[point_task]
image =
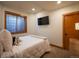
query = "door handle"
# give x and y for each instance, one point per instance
(65, 33)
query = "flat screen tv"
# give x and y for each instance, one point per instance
(43, 20)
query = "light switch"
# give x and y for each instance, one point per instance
(76, 26)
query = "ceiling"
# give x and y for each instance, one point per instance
(26, 6)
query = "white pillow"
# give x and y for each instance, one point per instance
(41, 37)
(6, 39)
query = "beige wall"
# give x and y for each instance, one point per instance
(54, 31)
(3, 9)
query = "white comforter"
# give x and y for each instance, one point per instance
(30, 47)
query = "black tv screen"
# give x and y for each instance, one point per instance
(43, 20)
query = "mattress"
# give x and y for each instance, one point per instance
(30, 47)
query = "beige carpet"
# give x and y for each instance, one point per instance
(74, 46)
(58, 53)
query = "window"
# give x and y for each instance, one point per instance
(15, 23)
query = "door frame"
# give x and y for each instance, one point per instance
(66, 44)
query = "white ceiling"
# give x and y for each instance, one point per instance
(26, 6)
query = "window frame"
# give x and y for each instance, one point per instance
(15, 14)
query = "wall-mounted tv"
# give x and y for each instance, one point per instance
(43, 20)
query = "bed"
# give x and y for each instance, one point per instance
(31, 46)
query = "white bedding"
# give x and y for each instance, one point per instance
(30, 46)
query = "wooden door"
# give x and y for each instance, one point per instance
(70, 31)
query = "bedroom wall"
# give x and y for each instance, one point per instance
(54, 31)
(3, 9)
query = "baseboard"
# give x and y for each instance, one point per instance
(56, 46)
